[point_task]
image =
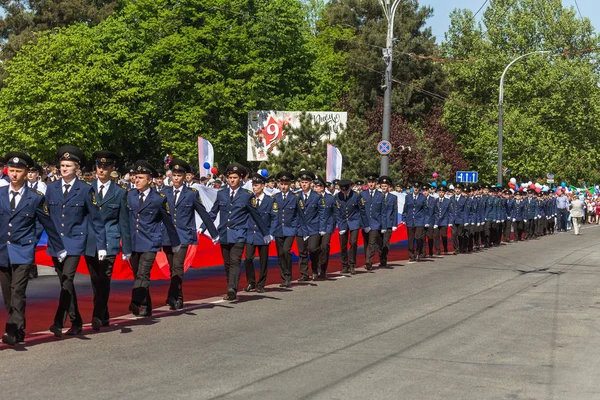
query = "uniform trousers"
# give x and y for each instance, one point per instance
(176, 267)
(458, 240)
(507, 229)
(100, 274)
(324, 253)
(13, 281)
(349, 259)
(263, 259)
(232, 260)
(540, 226)
(284, 254)
(415, 234)
(385, 247)
(490, 232)
(429, 234)
(530, 227)
(371, 240)
(312, 246)
(440, 232)
(519, 229)
(141, 263)
(67, 302)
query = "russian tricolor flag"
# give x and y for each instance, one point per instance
(334, 163)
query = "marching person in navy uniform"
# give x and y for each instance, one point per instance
(413, 215)
(508, 215)
(371, 232)
(443, 216)
(147, 210)
(288, 211)
(255, 240)
(351, 217)
(311, 226)
(427, 191)
(235, 206)
(184, 202)
(73, 208)
(34, 183)
(518, 215)
(329, 227)
(530, 214)
(21, 208)
(389, 218)
(459, 214)
(111, 202)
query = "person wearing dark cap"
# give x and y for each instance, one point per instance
(371, 232)
(21, 208)
(329, 216)
(518, 216)
(33, 179)
(508, 205)
(389, 219)
(491, 211)
(73, 208)
(159, 181)
(541, 216)
(4, 179)
(183, 202)
(459, 214)
(111, 202)
(255, 240)
(530, 213)
(443, 216)
(427, 191)
(311, 226)
(413, 215)
(149, 213)
(235, 206)
(351, 217)
(286, 225)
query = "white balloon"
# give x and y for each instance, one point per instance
(529, 183)
(538, 186)
(513, 181)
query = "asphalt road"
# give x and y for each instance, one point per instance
(521, 321)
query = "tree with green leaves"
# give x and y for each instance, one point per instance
(550, 100)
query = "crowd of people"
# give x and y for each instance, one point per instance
(100, 215)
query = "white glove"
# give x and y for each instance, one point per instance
(514, 220)
(176, 249)
(394, 228)
(305, 238)
(535, 218)
(322, 233)
(466, 224)
(497, 221)
(367, 229)
(449, 224)
(271, 237)
(426, 225)
(383, 230)
(125, 257)
(267, 239)
(342, 232)
(435, 227)
(215, 240)
(479, 224)
(62, 255)
(101, 255)
(539, 216)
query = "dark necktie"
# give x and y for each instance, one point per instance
(141, 198)
(371, 194)
(13, 201)
(100, 191)
(66, 192)
(176, 192)
(231, 195)
(284, 196)
(257, 202)
(305, 197)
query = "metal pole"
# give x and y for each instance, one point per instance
(389, 11)
(501, 110)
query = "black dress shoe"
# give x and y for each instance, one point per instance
(418, 258)
(283, 284)
(74, 331)
(260, 290)
(134, 308)
(96, 323)
(20, 337)
(304, 279)
(56, 330)
(323, 275)
(179, 304)
(9, 339)
(369, 267)
(352, 271)
(171, 301)
(230, 296)
(145, 311)
(249, 288)
(106, 323)
(345, 270)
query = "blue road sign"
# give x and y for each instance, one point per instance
(384, 147)
(467, 176)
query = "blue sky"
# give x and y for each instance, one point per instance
(442, 8)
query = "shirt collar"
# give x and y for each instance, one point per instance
(106, 185)
(147, 192)
(20, 191)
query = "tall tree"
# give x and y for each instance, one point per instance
(550, 101)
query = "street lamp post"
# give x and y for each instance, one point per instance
(389, 9)
(501, 109)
